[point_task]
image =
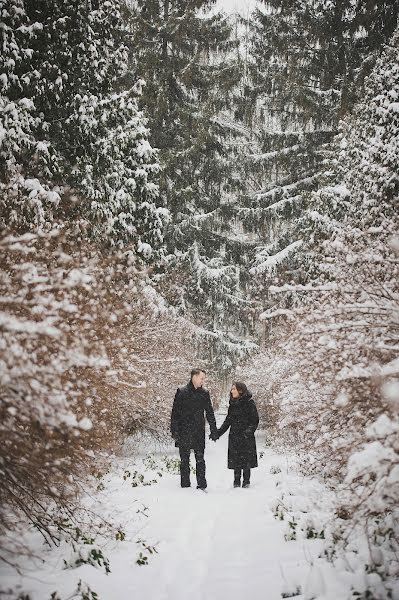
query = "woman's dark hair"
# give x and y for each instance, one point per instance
(241, 387)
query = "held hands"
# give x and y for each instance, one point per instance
(214, 436)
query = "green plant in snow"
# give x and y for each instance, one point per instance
(274, 469)
(279, 509)
(294, 592)
(142, 511)
(93, 557)
(172, 465)
(85, 592)
(366, 595)
(291, 535)
(150, 462)
(167, 464)
(137, 478)
(82, 592)
(312, 533)
(142, 558)
(79, 536)
(83, 554)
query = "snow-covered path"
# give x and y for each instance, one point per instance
(210, 546)
(222, 544)
(226, 543)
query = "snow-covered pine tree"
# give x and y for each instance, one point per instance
(80, 130)
(308, 62)
(23, 152)
(190, 63)
(313, 62)
(346, 342)
(187, 61)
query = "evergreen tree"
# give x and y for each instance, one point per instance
(187, 55)
(22, 148)
(309, 60)
(311, 57)
(81, 131)
(183, 52)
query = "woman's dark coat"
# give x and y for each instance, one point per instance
(242, 418)
(187, 422)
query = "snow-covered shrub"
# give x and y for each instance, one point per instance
(42, 432)
(89, 555)
(148, 549)
(345, 340)
(273, 379)
(85, 360)
(275, 469)
(340, 340)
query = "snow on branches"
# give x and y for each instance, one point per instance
(85, 361)
(71, 125)
(340, 393)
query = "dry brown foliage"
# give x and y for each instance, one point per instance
(88, 355)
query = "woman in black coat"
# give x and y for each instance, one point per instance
(242, 418)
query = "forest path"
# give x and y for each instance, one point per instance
(225, 543)
(221, 544)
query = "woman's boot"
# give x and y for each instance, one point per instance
(247, 475)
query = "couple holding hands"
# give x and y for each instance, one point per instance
(187, 427)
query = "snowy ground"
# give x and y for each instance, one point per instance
(227, 543)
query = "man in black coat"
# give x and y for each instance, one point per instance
(187, 426)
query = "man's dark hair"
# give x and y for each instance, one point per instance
(196, 372)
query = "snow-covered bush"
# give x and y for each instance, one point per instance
(346, 342)
(87, 356)
(42, 431)
(340, 339)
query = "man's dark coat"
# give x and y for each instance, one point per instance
(187, 423)
(242, 418)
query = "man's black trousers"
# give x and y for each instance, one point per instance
(185, 466)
